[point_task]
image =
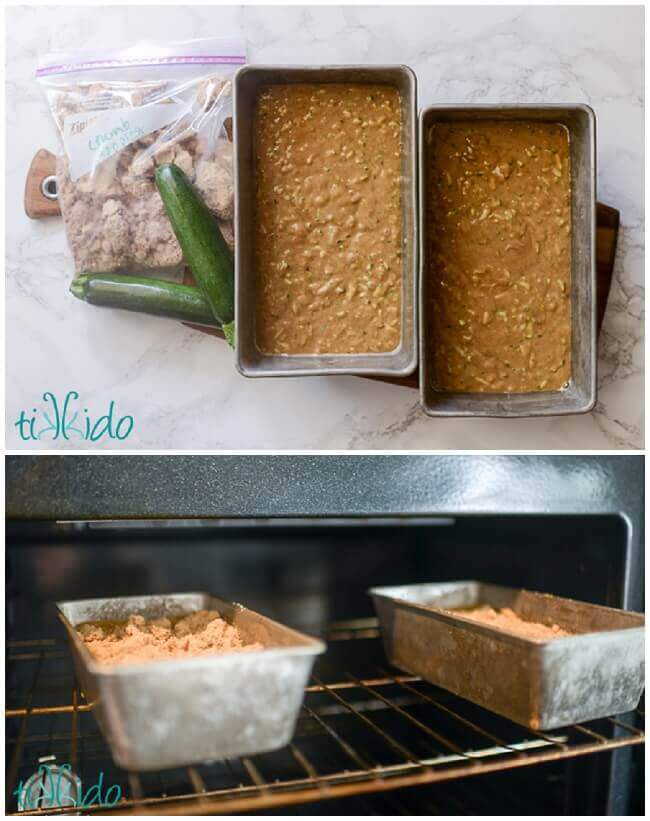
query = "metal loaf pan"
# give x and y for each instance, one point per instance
(540, 684)
(250, 360)
(580, 395)
(179, 712)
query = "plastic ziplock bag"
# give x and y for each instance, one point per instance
(122, 112)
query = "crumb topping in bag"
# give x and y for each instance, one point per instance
(114, 217)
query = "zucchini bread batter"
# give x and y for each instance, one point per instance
(328, 233)
(499, 242)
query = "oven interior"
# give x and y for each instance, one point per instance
(370, 739)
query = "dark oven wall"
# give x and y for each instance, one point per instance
(309, 574)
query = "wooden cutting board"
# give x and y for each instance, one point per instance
(38, 206)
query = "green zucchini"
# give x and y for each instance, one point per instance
(139, 293)
(204, 248)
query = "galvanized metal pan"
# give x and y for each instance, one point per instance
(597, 672)
(250, 360)
(580, 394)
(179, 712)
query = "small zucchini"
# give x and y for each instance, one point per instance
(204, 248)
(144, 294)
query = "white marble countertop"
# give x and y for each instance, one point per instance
(179, 385)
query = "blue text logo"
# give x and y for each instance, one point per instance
(58, 786)
(65, 418)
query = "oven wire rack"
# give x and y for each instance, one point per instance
(360, 731)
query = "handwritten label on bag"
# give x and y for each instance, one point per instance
(90, 137)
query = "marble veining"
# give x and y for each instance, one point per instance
(180, 385)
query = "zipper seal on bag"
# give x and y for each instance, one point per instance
(185, 60)
(224, 51)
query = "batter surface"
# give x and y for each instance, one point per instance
(328, 219)
(499, 237)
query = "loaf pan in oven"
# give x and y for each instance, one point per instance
(580, 394)
(543, 685)
(174, 713)
(248, 82)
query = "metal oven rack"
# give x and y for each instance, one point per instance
(364, 729)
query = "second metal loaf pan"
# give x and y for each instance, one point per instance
(595, 672)
(580, 394)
